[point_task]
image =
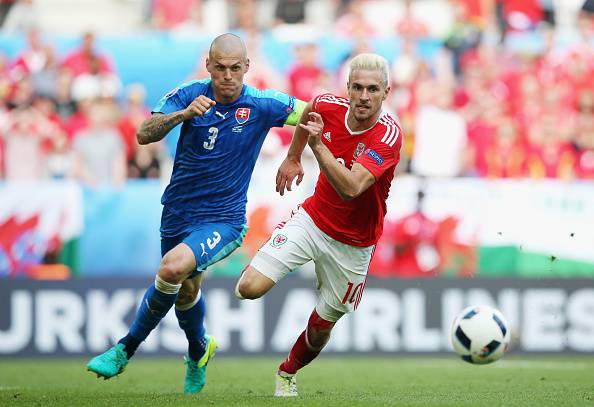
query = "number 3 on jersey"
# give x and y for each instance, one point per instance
(211, 139)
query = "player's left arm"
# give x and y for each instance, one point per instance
(349, 184)
(293, 118)
(291, 167)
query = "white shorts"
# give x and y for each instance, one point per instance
(341, 269)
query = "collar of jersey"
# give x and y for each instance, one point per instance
(346, 124)
(221, 106)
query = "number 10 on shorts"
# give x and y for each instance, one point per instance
(353, 295)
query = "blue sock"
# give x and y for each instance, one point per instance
(155, 305)
(191, 320)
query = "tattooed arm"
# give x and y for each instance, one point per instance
(158, 125)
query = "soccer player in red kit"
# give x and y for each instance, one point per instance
(357, 147)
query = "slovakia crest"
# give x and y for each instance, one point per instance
(359, 150)
(242, 115)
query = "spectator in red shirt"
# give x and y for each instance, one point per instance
(83, 59)
(481, 133)
(408, 247)
(97, 83)
(506, 156)
(306, 75)
(521, 15)
(584, 136)
(21, 94)
(353, 23)
(26, 142)
(479, 12)
(134, 114)
(409, 26)
(79, 119)
(548, 155)
(168, 14)
(32, 60)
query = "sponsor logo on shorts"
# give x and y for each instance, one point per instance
(376, 157)
(279, 240)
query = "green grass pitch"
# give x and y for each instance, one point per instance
(329, 381)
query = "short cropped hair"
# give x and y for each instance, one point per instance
(371, 62)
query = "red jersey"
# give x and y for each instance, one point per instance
(360, 221)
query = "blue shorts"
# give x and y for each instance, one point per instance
(210, 242)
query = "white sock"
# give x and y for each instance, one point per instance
(165, 287)
(186, 307)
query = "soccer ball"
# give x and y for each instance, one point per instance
(480, 335)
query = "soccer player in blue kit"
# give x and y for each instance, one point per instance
(204, 217)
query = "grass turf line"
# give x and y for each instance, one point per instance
(329, 381)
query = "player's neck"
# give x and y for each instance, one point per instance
(362, 125)
(226, 100)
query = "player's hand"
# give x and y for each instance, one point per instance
(199, 106)
(288, 170)
(314, 127)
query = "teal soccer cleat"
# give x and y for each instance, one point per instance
(196, 371)
(110, 363)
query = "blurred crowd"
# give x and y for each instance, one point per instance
(64, 119)
(478, 107)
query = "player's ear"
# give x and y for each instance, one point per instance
(247, 64)
(207, 64)
(386, 91)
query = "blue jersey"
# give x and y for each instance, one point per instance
(216, 154)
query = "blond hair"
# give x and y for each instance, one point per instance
(371, 62)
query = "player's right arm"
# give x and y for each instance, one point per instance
(291, 166)
(158, 125)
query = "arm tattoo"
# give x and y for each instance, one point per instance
(157, 127)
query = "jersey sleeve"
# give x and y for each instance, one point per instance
(278, 106)
(293, 118)
(177, 99)
(383, 153)
(321, 104)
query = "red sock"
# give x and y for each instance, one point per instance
(301, 354)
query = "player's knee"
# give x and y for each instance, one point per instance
(172, 271)
(248, 289)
